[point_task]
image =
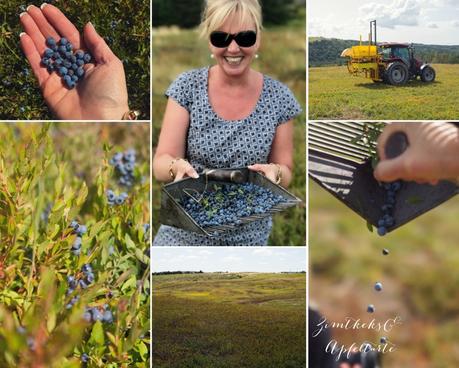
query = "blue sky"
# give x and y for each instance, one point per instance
(420, 21)
(231, 259)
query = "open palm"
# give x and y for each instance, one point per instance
(102, 94)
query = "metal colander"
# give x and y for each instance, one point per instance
(340, 163)
(173, 214)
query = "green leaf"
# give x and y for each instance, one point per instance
(97, 334)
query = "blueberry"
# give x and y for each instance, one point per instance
(62, 50)
(385, 251)
(79, 54)
(63, 41)
(119, 200)
(62, 70)
(84, 358)
(74, 78)
(81, 229)
(87, 58)
(67, 79)
(90, 278)
(80, 72)
(378, 286)
(48, 53)
(70, 73)
(77, 243)
(87, 316)
(74, 224)
(45, 61)
(107, 316)
(50, 41)
(69, 47)
(382, 231)
(79, 62)
(67, 64)
(86, 268)
(371, 308)
(383, 340)
(74, 67)
(58, 62)
(96, 315)
(83, 284)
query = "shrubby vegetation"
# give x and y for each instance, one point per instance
(74, 271)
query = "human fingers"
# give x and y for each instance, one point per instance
(46, 29)
(32, 55)
(32, 30)
(184, 169)
(62, 25)
(97, 45)
(390, 170)
(268, 170)
(344, 365)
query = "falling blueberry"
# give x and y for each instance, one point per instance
(371, 308)
(385, 251)
(378, 286)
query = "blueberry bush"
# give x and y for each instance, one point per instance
(74, 268)
(125, 26)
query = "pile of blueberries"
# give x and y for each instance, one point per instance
(113, 199)
(387, 218)
(59, 58)
(79, 230)
(226, 204)
(99, 313)
(124, 164)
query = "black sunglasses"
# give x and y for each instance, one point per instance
(223, 39)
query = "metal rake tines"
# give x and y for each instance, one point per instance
(341, 139)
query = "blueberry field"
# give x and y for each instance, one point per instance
(124, 25)
(281, 56)
(411, 272)
(74, 261)
(246, 320)
(335, 94)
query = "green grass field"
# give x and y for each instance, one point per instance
(420, 278)
(281, 57)
(226, 320)
(335, 94)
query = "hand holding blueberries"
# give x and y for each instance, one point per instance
(79, 75)
(432, 153)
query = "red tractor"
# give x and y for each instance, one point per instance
(388, 62)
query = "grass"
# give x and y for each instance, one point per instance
(125, 27)
(335, 94)
(223, 320)
(420, 278)
(282, 57)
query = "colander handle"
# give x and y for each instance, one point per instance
(396, 144)
(234, 176)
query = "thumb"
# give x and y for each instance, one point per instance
(97, 45)
(389, 170)
(191, 172)
(256, 167)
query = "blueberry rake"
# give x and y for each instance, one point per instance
(340, 162)
(173, 214)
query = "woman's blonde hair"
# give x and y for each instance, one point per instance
(216, 12)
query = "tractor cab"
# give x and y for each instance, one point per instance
(402, 52)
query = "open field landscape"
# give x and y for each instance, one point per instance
(281, 57)
(335, 94)
(420, 278)
(223, 320)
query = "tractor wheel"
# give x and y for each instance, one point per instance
(397, 74)
(428, 74)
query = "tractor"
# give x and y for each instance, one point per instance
(388, 62)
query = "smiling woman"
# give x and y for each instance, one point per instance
(227, 116)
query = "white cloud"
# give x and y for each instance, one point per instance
(455, 23)
(432, 25)
(397, 13)
(262, 251)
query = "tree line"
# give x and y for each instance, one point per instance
(327, 51)
(187, 13)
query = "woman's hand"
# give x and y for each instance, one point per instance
(102, 94)
(271, 171)
(432, 154)
(182, 168)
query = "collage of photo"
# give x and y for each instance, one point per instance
(229, 184)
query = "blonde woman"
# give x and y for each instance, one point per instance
(226, 115)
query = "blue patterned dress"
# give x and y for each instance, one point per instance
(213, 142)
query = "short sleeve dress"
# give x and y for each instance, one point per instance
(213, 142)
